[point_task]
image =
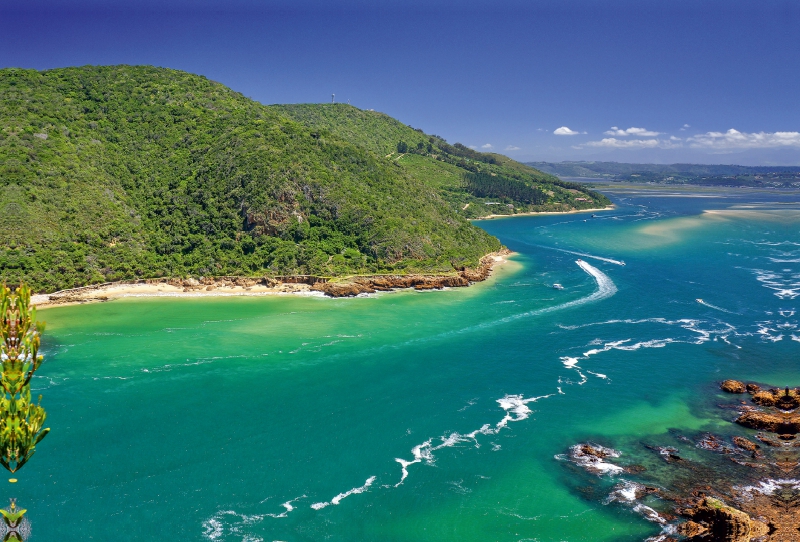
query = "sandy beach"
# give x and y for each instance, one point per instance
(532, 213)
(253, 287)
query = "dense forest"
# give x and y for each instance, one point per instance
(121, 172)
(442, 165)
(484, 185)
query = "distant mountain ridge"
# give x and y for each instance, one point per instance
(124, 172)
(728, 175)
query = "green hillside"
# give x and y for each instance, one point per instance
(124, 172)
(475, 184)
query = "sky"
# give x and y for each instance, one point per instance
(699, 81)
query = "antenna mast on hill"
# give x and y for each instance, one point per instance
(333, 98)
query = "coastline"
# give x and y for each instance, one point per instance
(533, 213)
(257, 287)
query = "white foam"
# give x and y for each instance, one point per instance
(569, 362)
(627, 491)
(213, 529)
(649, 514)
(287, 508)
(592, 256)
(710, 306)
(770, 486)
(785, 283)
(593, 463)
(516, 409)
(338, 498)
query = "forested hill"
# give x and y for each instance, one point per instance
(125, 172)
(474, 183)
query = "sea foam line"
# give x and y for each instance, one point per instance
(338, 498)
(516, 409)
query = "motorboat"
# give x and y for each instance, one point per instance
(557, 286)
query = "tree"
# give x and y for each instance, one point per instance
(21, 420)
(402, 147)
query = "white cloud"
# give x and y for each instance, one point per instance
(487, 146)
(632, 131)
(734, 139)
(614, 143)
(673, 138)
(512, 148)
(565, 131)
(473, 146)
(684, 127)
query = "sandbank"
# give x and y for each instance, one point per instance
(532, 213)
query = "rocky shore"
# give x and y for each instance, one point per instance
(382, 283)
(251, 286)
(728, 487)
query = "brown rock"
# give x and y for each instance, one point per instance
(765, 398)
(723, 522)
(768, 441)
(691, 529)
(588, 449)
(770, 422)
(732, 386)
(745, 444)
(752, 388)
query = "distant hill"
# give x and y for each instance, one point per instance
(122, 172)
(720, 175)
(474, 183)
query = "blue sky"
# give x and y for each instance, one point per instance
(625, 80)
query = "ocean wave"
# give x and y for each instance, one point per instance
(784, 283)
(516, 409)
(770, 486)
(338, 498)
(591, 457)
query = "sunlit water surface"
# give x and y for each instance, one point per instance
(417, 416)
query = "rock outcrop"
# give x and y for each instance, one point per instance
(723, 523)
(733, 386)
(382, 283)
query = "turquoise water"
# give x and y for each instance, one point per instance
(417, 416)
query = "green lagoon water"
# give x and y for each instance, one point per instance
(418, 416)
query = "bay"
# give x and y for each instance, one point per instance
(414, 416)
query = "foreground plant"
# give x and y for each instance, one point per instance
(15, 527)
(21, 421)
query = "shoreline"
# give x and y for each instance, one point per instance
(534, 213)
(350, 286)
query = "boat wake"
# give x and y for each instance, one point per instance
(710, 306)
(583, 254)
(605, 289)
